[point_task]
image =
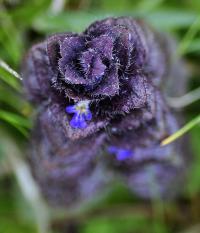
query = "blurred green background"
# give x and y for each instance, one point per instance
(22, 209)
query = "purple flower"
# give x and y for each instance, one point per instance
(113, 73)
(82, 114)
(120, 153)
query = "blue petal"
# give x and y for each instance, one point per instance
(88, 115)
(123, 154)
(112, 149)
(78, 121)
(71, 109)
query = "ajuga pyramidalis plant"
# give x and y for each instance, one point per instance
(102, 113)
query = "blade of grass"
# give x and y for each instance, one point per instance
(26, 182)
(21, 123)
(185, 100)
(146, 6)
(184, 44)
(15, 119)
(77, 21)
(28, 11)
(194, 46)
(11, 39)
(181, 131)
(23, 131)
(10, 76)
(12, 100)
(6, 67)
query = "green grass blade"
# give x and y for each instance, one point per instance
(12, 100)
(185, 100)
(184, 44)
(21, 123)
(181, 131)
(11, 39)
(77, 21)
(15, 119)
(6, 67)
(9, 76)
(194, 46)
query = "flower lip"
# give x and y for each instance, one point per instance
(81, 113)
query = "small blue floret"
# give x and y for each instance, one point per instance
(120, 153)
(81, 113)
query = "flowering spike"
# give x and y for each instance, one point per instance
(124, 69)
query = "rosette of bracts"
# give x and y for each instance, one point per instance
(102, 113)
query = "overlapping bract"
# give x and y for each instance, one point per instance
(118, 66)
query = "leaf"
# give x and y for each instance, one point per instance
(12, 100)
(19, 122)
(120, 223)
(122, 5)
(1, 153)
(29, 189)
(192, 31)
(78, 21)
(146, 6)
(29, 11)
(11, 39)
(194, 46)
(72, 21)
(171, 19)
(15, 119)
